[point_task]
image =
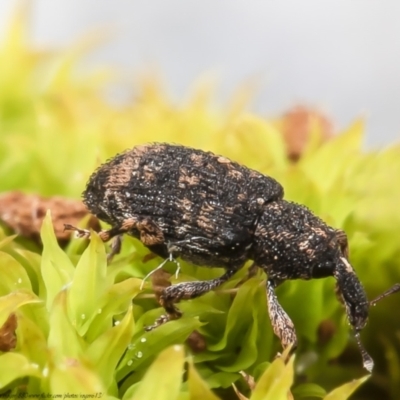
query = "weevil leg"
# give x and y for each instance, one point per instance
(115, 248)
(251, 272)
(105, 235)
(343, 242)
(281, 323)
(186, 290)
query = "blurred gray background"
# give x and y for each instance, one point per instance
(340, 56)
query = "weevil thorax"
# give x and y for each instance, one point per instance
(293, 243)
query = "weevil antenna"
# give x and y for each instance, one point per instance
(394, 289)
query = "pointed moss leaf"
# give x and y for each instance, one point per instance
(276, 381)
(14, 300)
(63, 339)
(106, 350)
(324, 167)
(198, 389)
(344, 392)
(31, 262)
(303, 301)
(247, 345)
(116, 300)
(221, 379)
(88, 285)
(4, 242)
(239, 315)
(163, 379)
(147, 346)
(14, 366)
(31, 340)
(71, 377)
(119, 296)
(13, 275)
(308, 390)
(256, 344)
(261, 139)
(57, 268)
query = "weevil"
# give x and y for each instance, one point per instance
(213, 212)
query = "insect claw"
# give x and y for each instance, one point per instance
(160, 321)
(80, 233)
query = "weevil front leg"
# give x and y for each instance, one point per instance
(282, 325)
(186, 290)
(149, 233)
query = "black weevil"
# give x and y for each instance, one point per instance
(213, 212)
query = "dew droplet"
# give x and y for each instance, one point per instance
(139, 354)
(19, 280)
(99, 311)
(116, 323)
(131, 346)
(83, 316)
(130, 362)
(143, 339)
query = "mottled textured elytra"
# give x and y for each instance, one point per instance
(213, 212)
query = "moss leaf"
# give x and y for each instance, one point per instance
(344, 392)
(63, 340)
(13, 275)
(106, 351)
(14, 300)
(88, 285)
(198, 389)
(163, 379)
(276, 381)
(14, 366)
(56, 267)
(71, 377)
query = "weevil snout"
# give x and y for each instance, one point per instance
(352, 293)
(355, 300)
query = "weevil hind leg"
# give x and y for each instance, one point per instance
(186, 290)
(282, 325)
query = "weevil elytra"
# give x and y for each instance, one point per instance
(213, 212)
